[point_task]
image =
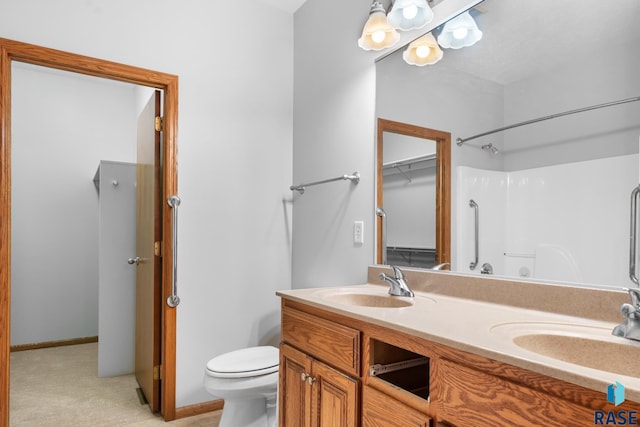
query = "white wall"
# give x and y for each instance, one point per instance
(608, 132)
(235, 64)
(60, 136)
(333, 135)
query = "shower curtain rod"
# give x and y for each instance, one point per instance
(460, 141)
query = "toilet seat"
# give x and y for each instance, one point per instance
(247, 362)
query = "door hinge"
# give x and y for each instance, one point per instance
(156, 372)
(157, 251)
(159, 123)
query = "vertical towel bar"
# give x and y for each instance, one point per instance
(633, 235)
(474, 205)
(173, 300)
(381, 213)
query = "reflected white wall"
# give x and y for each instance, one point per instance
(549, 218)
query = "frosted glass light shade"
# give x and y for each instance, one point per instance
(409, 14)
(461, 31)
(423, 51)
(377, 34)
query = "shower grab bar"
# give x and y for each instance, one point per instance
(460, 141)
(381, 213)
(173, 300)
(474, 205)
(633, 235)
(355, 178)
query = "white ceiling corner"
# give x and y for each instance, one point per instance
(287, 5)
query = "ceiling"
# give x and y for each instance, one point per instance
(544, 30)
(287, 5)
(523, 37)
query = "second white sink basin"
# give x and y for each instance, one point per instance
(588, 346)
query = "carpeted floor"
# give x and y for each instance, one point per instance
(59, 386)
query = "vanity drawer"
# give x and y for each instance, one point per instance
(468, 397)
(332, 343)
(380, 410)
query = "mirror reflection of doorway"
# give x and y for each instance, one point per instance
(413, 195)
(409, 188)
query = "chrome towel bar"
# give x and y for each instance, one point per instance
(173, 300)
(476, 215)
(382, 214)
(633, 235)
(354, 177)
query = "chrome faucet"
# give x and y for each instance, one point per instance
(398, 287)
(630, 329)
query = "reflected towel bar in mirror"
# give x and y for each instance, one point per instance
(354, 177)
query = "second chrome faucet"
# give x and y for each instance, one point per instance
(398, 286)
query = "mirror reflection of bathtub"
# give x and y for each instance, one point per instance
(553, 196)
(552, 222)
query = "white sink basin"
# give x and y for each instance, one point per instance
(585, 345)
(368, 296)
(369, 300)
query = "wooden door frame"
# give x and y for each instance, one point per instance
(443, 182)
(11, 50)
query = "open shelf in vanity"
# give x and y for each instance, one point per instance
(400, 368)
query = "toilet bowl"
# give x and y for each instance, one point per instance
(247, 380)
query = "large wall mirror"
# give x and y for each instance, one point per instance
(549, 200)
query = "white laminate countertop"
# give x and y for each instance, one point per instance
(487, 329)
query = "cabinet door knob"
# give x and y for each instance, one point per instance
(303, 376)
(310, 380)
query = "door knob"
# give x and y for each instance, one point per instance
(135, 260)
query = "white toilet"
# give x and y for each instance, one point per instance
(247, 380)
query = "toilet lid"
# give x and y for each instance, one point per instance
(248, 362)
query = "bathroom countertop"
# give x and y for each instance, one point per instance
(488, 329)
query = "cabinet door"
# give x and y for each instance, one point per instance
(380, 410)
(335, 398)
(295, 392)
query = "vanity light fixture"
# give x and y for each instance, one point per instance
(377, 34)
(461, 31)
(409, 14)
(423, 51)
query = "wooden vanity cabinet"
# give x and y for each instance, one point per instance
(325, 380)
(319, 384)
(316, 394)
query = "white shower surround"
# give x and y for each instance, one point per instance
(521, 211)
